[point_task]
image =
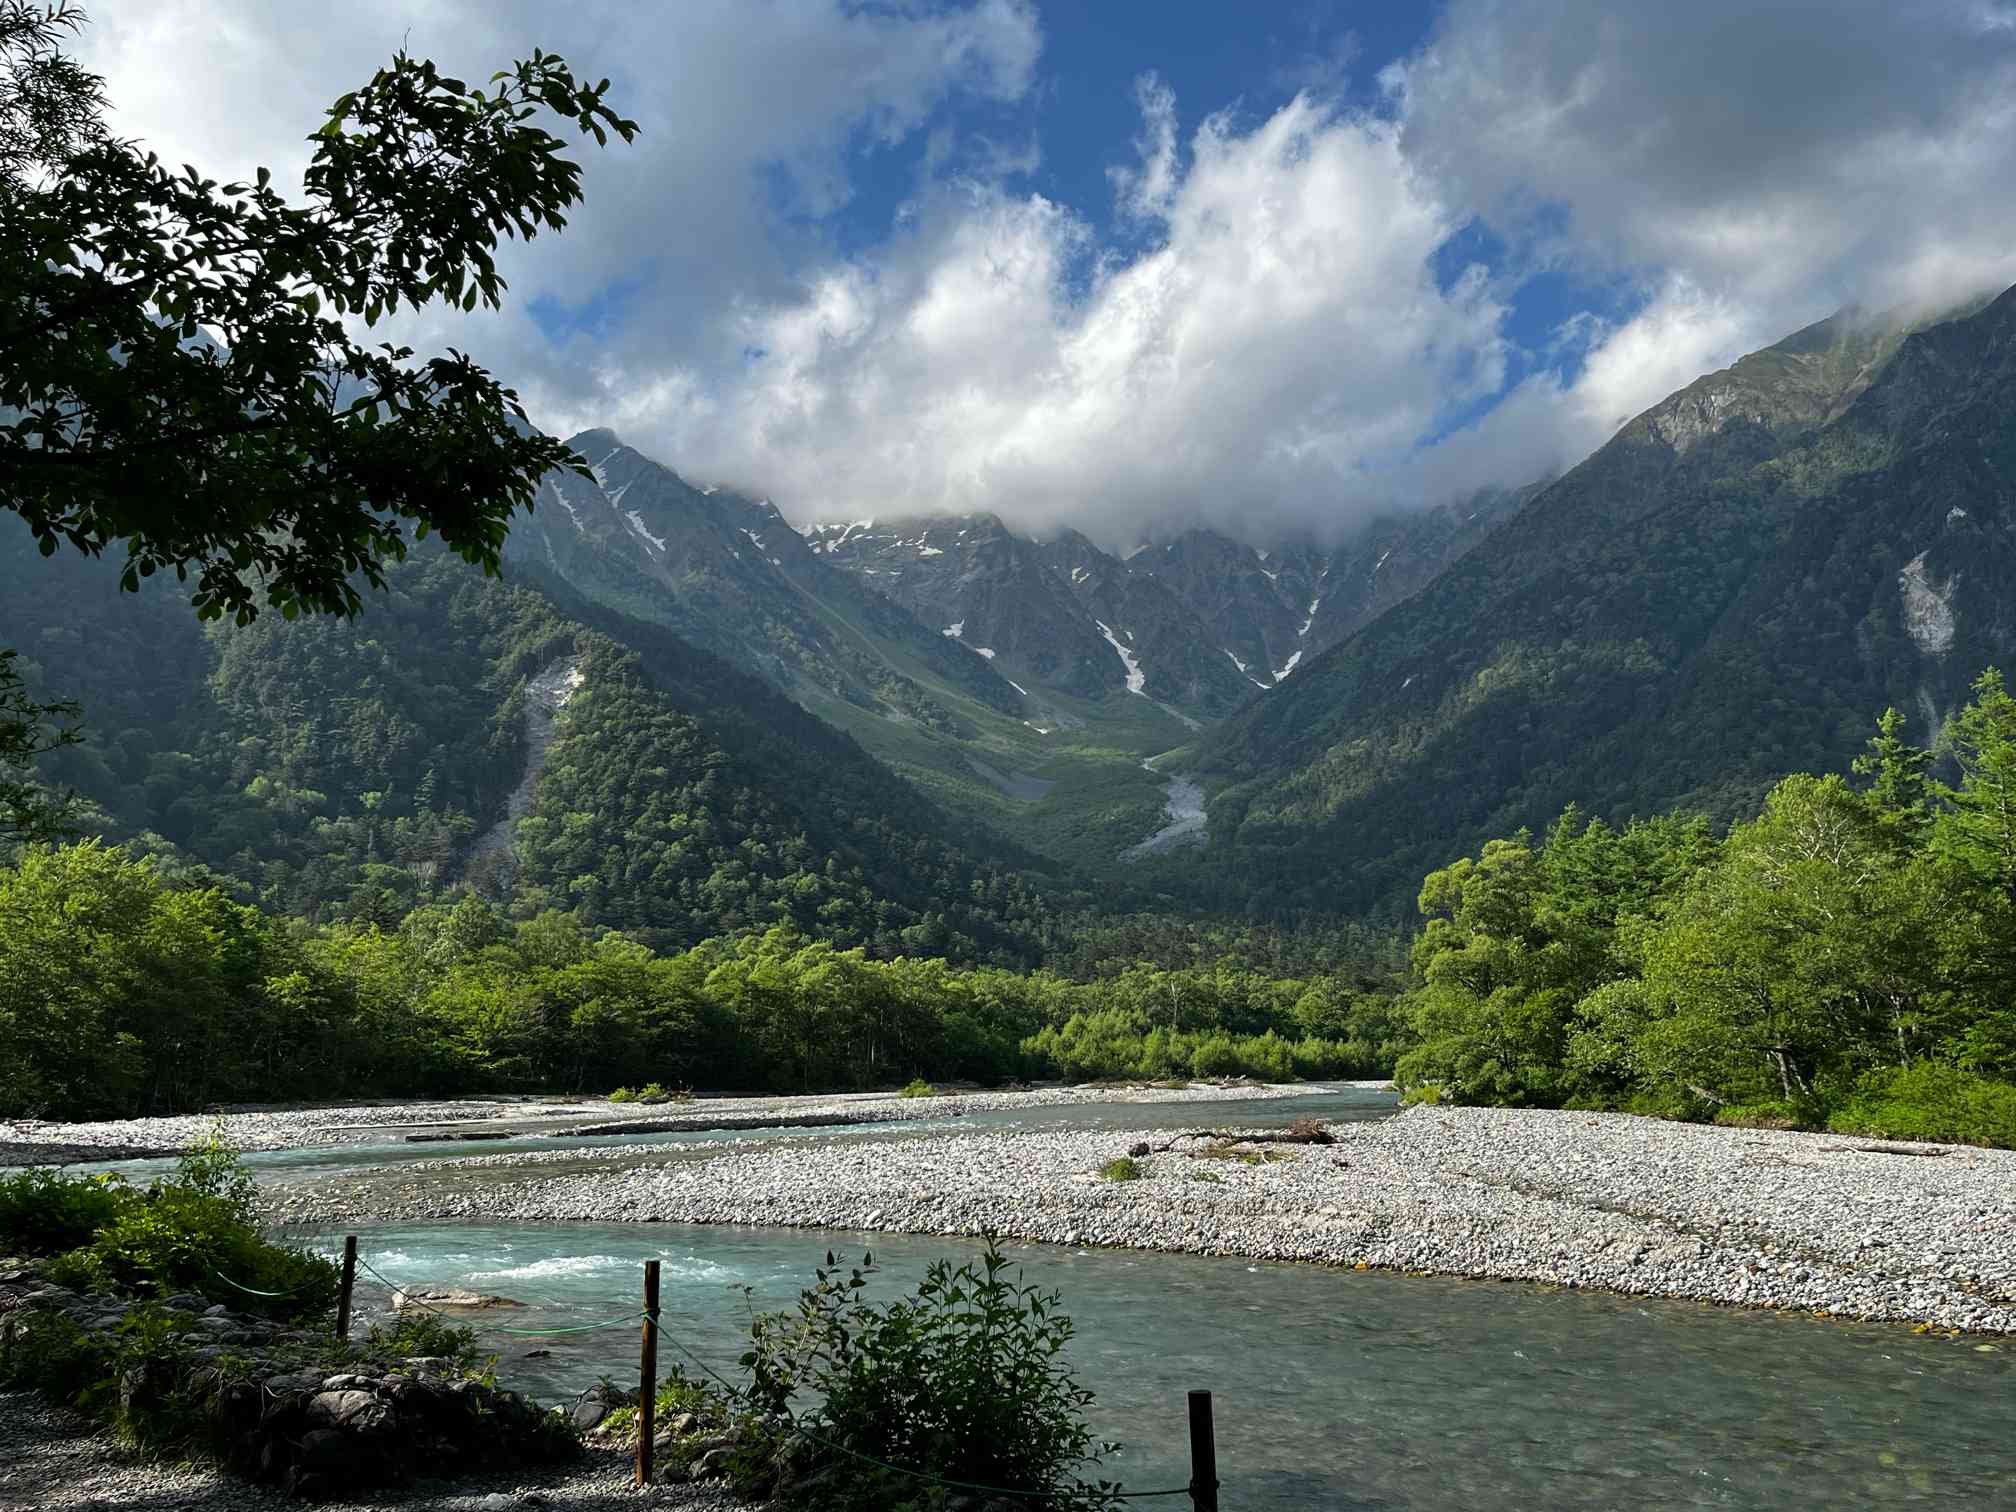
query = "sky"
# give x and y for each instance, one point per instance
(1135, 267)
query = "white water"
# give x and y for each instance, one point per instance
(1185, 808)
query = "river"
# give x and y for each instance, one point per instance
(1334, 1389)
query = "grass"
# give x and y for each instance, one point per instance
(1244, 1157)
(1123, 1169)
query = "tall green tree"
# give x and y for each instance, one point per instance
(29, 728)
(180, 372)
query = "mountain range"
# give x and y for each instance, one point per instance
(682, 712)
(1021, 681)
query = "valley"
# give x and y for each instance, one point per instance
(1069, 710)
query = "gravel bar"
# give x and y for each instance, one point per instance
(1842, 1226)
(51, 1460)
(35, 1142)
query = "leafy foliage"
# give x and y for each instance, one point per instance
(290, 456)
(1840, 959)
(123, 992)
(964, 1381)
(195, 1233)
(29, 730)
(1932, 1102)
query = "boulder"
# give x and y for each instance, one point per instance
(358, 1414)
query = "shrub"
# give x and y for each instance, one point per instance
(917, 1087)
(965, 1380)
(1778, 1113)
(418, 1334)
(194, 1233)
(1310, 1131)
(45, 1213)
(172, 1239)
(1930, 1101)
(1123, 1169)
(622, 1094)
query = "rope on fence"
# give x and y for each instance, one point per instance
(252, 1291)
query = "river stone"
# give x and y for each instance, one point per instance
(356, 1412)
(588, 1413)
(450, 1297)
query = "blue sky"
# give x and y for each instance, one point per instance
(1134, 267)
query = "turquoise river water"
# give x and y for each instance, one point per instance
(1333, 1389)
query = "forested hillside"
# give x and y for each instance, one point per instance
(345, 769)
(1843, 958)
(1730, 590)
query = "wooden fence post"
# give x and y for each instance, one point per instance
(647, 1384)
(1203, 1454)
(349, 1284)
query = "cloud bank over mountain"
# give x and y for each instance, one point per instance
(836, 268)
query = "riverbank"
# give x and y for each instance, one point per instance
(1821, 1223)
(52, 1460)
(308, 1126)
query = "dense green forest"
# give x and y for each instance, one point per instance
(122, 993)
(1847, 958)
(1842, 959)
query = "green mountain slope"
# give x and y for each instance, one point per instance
(1732, 588)
(344, 769)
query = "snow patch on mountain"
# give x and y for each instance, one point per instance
(637, 524)
(954, 630)
(565, 503)
(1293, 661)
(1137, 680)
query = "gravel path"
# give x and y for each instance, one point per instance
(1807, 1221)
(52, 1461)
(33, 1142)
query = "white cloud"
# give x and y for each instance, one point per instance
(1145, 192)
(1754, 167)
(1543, 426)
(749, 108)
(1282, 341)
(1267, 344)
